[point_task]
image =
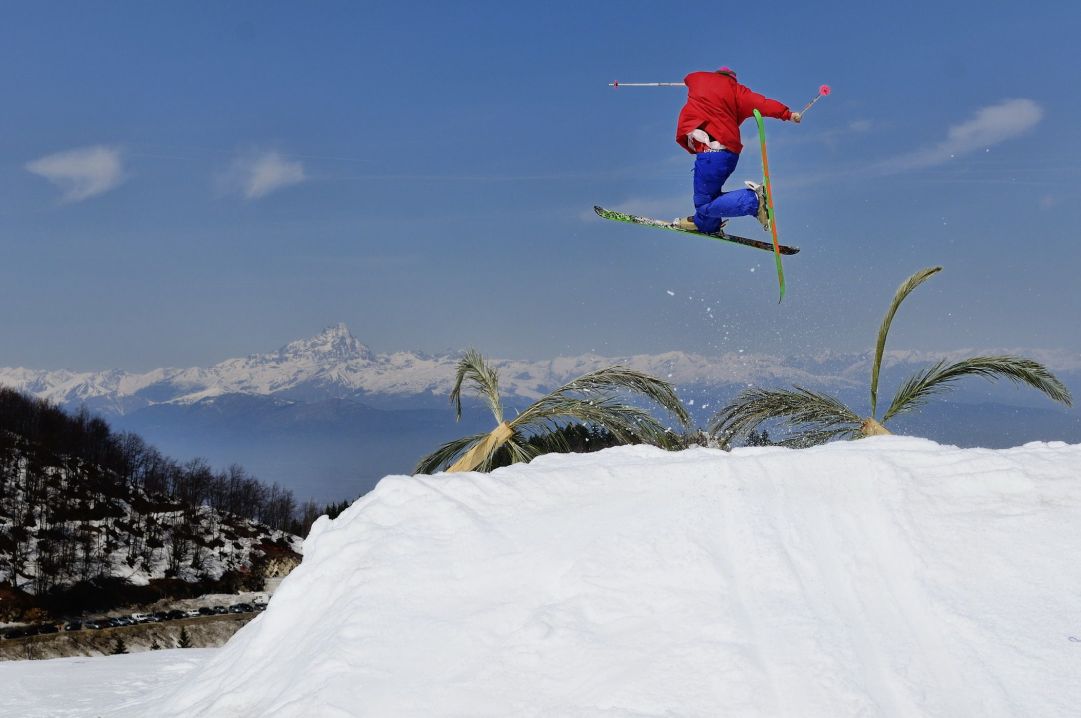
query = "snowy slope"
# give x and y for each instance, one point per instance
(885, 577)
(85, 687)
(80, 522)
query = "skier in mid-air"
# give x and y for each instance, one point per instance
(709, 129)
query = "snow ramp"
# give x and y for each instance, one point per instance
(885, 577)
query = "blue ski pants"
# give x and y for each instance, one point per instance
(711, 202)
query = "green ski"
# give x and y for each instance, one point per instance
(770, 206)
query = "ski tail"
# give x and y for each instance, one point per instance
(771, 207)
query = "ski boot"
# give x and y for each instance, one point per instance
(687, 224)
(763, 203)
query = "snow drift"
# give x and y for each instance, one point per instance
(887, 577)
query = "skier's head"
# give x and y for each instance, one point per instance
(727, 71)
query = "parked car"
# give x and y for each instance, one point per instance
(192, 613)
(48, 628)
(73, 626)
(206, 611)
(141, 617)
(162, 616)
(220, 609)
(14, 633)
(95, 624)
(175, 614)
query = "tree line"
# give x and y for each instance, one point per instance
(77, 498)
(131, 461)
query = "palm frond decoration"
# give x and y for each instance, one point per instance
(482, 378)
(827, 417)
(880, 344)
(591, 399)
(446, 454)
(622, 379)
(938, 378)
(814, 418)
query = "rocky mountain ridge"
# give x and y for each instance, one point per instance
(335, 365)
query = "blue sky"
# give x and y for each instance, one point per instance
(181, 184)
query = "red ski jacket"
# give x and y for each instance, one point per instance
(717, 103)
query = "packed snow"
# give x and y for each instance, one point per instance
(84, 687)
(889, 577)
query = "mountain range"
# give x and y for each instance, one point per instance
(327, 417)
(334, 365)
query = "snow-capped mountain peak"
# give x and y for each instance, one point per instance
(334, 344)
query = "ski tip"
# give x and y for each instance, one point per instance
(599, 210)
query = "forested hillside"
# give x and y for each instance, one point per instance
(89, 517)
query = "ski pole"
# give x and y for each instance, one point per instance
(822, 92)
(617, 83)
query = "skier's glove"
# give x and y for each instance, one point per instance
(797, 117)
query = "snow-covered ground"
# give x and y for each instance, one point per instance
(885, 577)
(84, 687)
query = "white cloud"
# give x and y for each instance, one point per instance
(81, 173)
(990, 126)
(257, 174)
